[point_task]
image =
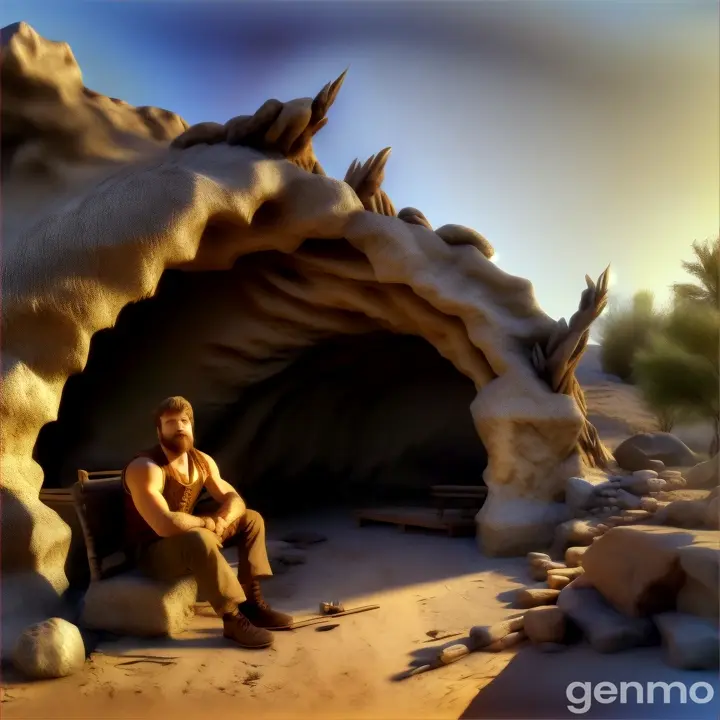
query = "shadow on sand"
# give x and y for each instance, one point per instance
(535, 685)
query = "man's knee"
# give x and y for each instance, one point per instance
(254, 519)
(199, 541)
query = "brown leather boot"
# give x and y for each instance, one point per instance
(238, 628)
(259, 613)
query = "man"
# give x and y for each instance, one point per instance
(169, 542)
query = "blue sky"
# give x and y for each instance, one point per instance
(571, 136)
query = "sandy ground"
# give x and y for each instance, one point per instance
(422, 582)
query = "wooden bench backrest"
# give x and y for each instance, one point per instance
(99, 503)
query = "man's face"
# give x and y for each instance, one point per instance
(175, 432)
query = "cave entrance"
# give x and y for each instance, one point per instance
(296, 415)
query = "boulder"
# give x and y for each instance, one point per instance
(50, 649)
(579, 493)
(545, 624)
(691, 643)
(131, 604)
(704, 475)
(637, 568)
(653, 451)
(686, 513)
(606, 629)
(700, 594)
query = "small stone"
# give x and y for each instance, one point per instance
(557, 582)
(545, 624)
(484, 635)
(574, 555)
(607, 492)
(645, 474)
(574, 532)
(535, 597)
(539, 570)
(535, 557)
(51, 649)
(606, 629)
(566, 572)
(690, 643)
(513, 638)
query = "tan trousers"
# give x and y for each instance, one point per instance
(198, 553)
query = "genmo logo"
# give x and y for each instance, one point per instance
(581, 695)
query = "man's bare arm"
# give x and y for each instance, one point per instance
(232, 505)
(144, 480)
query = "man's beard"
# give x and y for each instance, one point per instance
(177, 443)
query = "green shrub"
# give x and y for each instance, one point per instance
(678, 369)
(626, 330)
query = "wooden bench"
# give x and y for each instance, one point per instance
(454, 511)
(119, 599)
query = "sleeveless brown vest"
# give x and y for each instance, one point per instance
(179, 496)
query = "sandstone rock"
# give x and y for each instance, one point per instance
(535, 597)
(545, 624)
(51, 649)
(686, 513)
(704, 475)
(557, 582)
(690, 643)
(700, 595)
(574, 555)
(606, 629)
(637, 568)
(131, 604)
(645, 451)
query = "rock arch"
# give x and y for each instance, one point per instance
(101, 198)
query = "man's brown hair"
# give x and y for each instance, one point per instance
(175, 404)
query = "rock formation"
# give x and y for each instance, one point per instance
(102, 201)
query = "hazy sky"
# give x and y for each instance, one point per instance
(570, 135)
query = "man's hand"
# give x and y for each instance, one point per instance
(221, 525)
(210, 523)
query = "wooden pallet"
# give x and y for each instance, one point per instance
(453, 522)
